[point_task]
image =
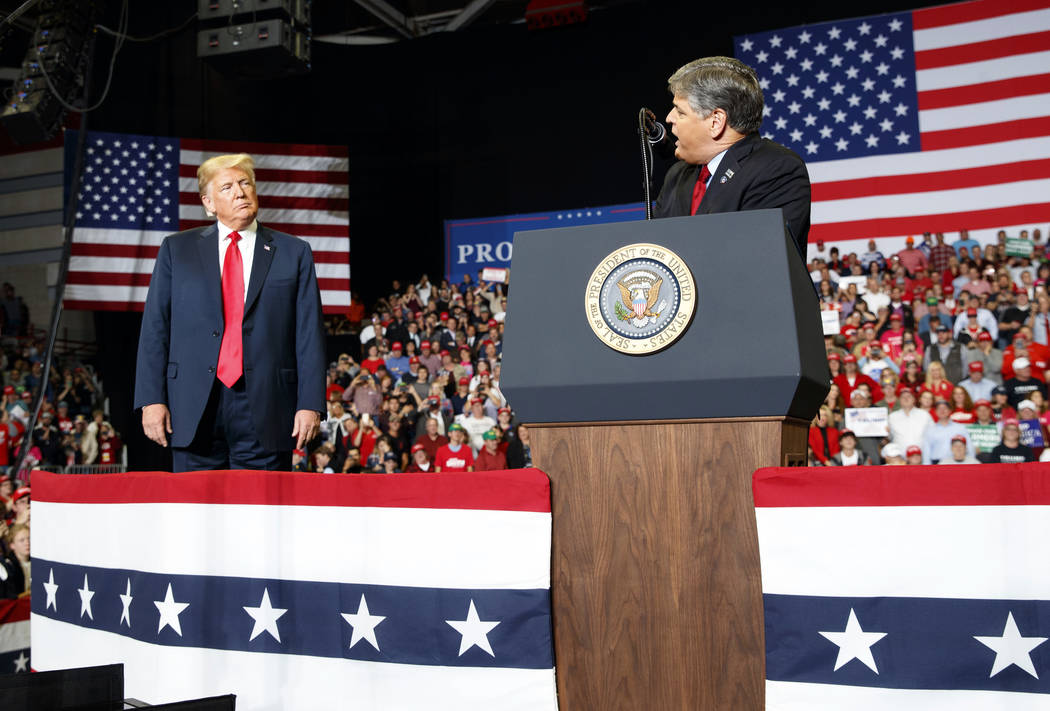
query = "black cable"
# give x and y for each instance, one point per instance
(63, 271)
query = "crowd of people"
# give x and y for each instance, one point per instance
(939, 354)
(422, 394)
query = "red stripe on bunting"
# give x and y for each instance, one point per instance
(962, 485)
(515, 490)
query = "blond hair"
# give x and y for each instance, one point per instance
(207, 170)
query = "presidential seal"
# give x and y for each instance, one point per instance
(640, 299)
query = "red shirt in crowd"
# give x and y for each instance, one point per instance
(449, 461)
(490, 462)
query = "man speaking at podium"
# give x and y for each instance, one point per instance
(723, 164)
(231, 353)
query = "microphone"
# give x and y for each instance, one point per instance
(655, 131)
(657, 134)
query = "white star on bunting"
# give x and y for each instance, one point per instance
(265, 616)
(364, 624)
(474, 630)
(854, 643)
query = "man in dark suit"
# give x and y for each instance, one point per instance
(231, 354)
(723, 164)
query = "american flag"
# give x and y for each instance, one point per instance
(136, 190)
(927, 121)
(906, 588)
(301, 591)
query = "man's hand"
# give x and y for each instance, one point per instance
(307, 426)
(156, 423)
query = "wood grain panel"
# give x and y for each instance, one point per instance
(655, 575)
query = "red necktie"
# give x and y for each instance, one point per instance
(231, 357)
(700, 188)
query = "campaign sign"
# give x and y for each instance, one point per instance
(983, 437)
(1031, 433)
(830, 320)
(484, 242)
(867, 421)
(1017, 247)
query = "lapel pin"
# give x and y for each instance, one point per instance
(723, 179)
(728, 175)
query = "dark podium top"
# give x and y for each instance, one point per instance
(754, 349)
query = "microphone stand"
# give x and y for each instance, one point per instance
(647, 162)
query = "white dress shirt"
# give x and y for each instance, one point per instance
(246, 245)
(712, 166)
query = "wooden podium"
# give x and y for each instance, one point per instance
(656, 587)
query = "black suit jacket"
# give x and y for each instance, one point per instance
(754, 174)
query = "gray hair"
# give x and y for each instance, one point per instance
(725, 83)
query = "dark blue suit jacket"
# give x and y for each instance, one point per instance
(182, 326)
(754, 174)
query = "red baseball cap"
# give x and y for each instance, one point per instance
(464, 381)
(959, 438)
(444, 352)
(396, 346)
(417, 448)
(849, 358)
(9, 390)
(834, 356)
(977, 366)
(984, 336)
(444, 315)
(914, 449)
(413, 360)
(425, 344)
(948, 289)
(982, 403)
(493, 322)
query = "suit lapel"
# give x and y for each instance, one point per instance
(208, 249)
(728, 167)
(264, 250)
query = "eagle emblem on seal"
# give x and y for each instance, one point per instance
(639, 292)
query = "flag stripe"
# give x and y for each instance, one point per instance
(292, 149)
(334, 222)
(940, 222)
(958, 13)
(1001, 89)
(331, 178)
(801, 696)
(937, 121)
(281, 189)
(285, 202)
(977, 198)
(1003, 485)
(989, 49)
(982, 72)
(517, 490)
(926, 182)
(960, 137)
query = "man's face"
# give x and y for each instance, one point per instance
(695, 144)
(231, 196)
(420, 456)
(943, 336)
(431, 427)
(959, 450)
